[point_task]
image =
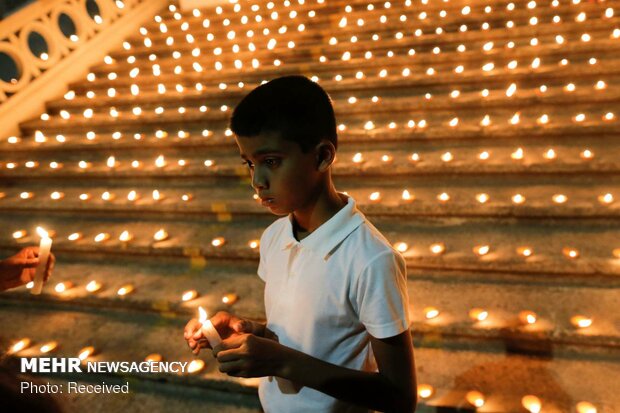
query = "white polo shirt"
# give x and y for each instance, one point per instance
(325, 295)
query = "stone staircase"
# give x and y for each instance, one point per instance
(481, 142)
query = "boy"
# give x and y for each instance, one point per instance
(337, 334)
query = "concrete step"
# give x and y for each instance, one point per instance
(410, 119)
(455, 98)
(469, 196)
(411, 158)
(180, 137)
(159, 285)
(502, 376)
(572, 246)
(379, 22)
(462, 63)
(378, 39)
(355, 10)
(505, 379)
(122, 336)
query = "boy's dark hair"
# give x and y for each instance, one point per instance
(295, 106)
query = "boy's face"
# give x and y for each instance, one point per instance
(284, 177)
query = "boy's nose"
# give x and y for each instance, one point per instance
(259, 181)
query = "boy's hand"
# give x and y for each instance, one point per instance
(247, 355)
(21, 267)
(226, 325)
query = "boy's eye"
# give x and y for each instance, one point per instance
(272, 161)
(248, 163)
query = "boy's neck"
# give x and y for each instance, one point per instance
(318, 211)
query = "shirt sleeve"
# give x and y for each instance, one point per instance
(381, 296)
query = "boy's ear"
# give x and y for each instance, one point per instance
(325, 155)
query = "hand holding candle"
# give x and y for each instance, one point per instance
(20, 268)
(197, 330)
(44, 252)
(207, 329)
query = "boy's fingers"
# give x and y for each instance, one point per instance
(224, 356)
(231, 342)
(32, 252)
(29, 263)
(243, 326)
(28, 275)
(190, 328)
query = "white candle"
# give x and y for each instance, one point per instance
(208, 330)
(44, 253)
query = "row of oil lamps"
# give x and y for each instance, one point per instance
(40, 137)
(238, 8)
(232, 35)
(358, 158)
(374, 197)
(95, 286)
(126, 236)
(346, 56)
(398, 35)
(359, 21)
(511, 91)
(464, 11)
(525, 317)
(111, 162)
(134, 89)
(559, 39)
(437, 248)
(369, 125)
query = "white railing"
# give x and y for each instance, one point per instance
(42, 76)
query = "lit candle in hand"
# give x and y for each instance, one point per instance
(207, 329)
(44, 253)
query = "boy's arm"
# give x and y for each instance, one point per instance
(392, 389)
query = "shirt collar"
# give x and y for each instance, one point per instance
(331, 233)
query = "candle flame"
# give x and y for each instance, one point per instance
(93, 286)
(160, 235)
(62, 287)
(478, 314)
(475, 398)
(20, 345)
(425, 391)
(47, 347)
(402, 246)
(431, 312)
(528, 317)
(203, 315)
(124, 290)
(155, 357)
(42, 233)
(195, 366)
(86, 352)
(229, 298)
(189, 295)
